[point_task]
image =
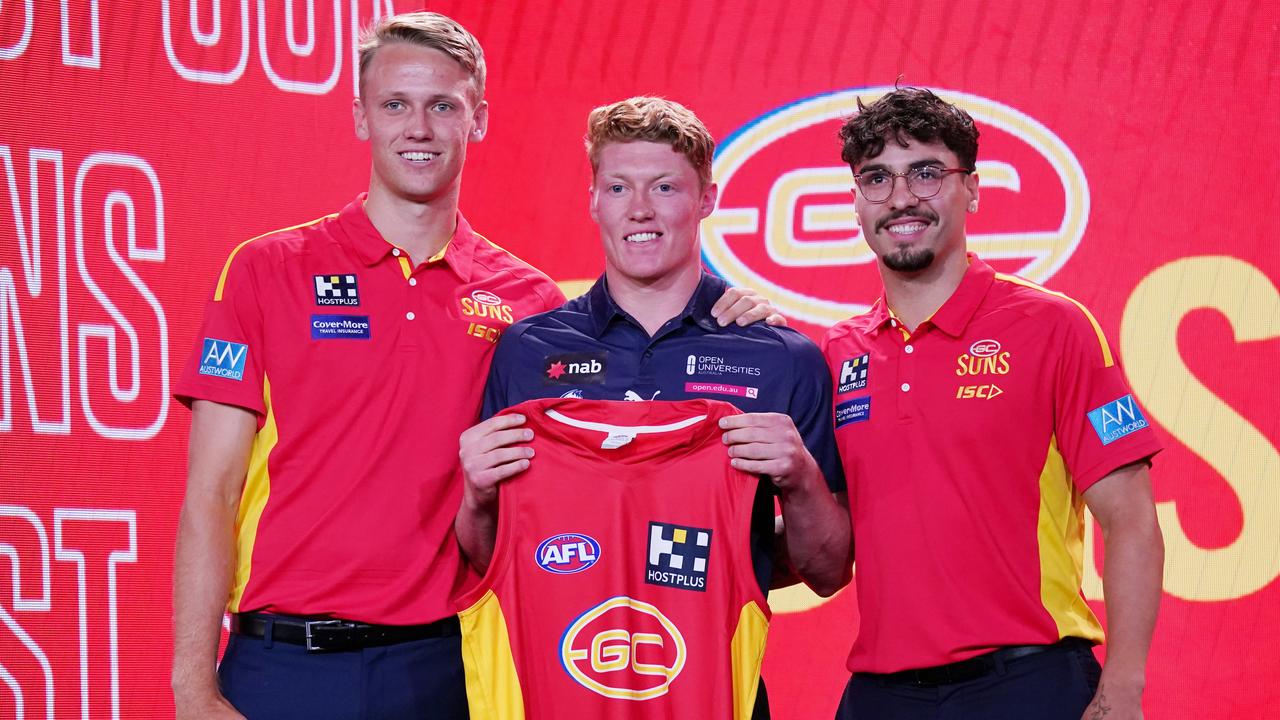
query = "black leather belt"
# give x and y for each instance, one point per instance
(971, 669)
(318, 634)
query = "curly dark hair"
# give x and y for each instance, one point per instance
(908, 113)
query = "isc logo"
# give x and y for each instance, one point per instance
(624, 649)
(568, 553)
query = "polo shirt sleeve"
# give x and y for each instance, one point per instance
(226, 362)
(1098, 424)
(810, 406)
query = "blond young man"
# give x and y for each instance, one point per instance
(336, 366)
(642, 322)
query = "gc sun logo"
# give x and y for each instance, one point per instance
(786, 227)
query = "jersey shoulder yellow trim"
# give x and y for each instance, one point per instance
(1107, 359)
(226, 267)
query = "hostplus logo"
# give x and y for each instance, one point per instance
(336, 290)
(678, 556)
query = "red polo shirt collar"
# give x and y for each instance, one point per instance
(954, 315)
(369, 245)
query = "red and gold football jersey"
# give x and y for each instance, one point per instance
(621, 584)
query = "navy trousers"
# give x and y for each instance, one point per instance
(1057, 684)
(279, 681)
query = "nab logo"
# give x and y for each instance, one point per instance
(624, 649)
(585, 368)
(785, 222)
(853, 373)
(224, 359)
(1117, 419)
(567, 554)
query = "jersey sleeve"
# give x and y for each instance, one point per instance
(497, 387)
(1098, 423)
(810, 407)
(226, 362)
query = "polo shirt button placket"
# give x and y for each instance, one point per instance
(906, 376)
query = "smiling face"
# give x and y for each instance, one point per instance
(648, 200)
(418, 109)
(906, 233)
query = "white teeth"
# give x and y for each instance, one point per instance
(419, 156)
(907, 228)
(641, 237)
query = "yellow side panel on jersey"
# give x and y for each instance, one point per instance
(1060, 533)
(257, 488)
(747, 653)
(493, 687)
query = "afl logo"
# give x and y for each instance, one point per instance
(984, 348)
(624, 649)
(567, 554)
(785, 222)
(484, 297)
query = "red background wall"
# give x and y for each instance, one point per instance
(1132, 161)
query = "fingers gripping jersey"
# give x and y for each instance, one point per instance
(621, 583)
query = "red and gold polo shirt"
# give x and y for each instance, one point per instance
(362, 370)
(967, 446)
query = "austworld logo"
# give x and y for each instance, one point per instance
(785, 222)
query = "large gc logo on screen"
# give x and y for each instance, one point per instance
(786, 224)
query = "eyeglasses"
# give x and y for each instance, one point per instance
(924, 182)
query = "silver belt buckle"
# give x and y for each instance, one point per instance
(312, 624)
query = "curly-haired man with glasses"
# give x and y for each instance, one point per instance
(977, 414)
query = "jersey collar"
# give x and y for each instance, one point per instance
(602, 310)
(954, 315)
(458, 254)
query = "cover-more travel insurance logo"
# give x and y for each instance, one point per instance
(785, 223)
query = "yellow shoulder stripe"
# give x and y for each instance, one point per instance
(496, 246)
(1107, 359)
(226, 267)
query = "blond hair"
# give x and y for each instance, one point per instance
(653, 119)
(430, 30)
